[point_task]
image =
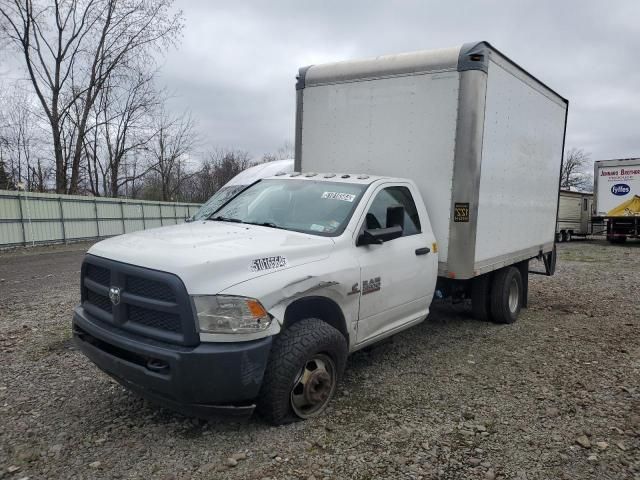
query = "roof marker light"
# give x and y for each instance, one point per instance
(363, 177)
(295, 174)
(311, 174)
(346, 176)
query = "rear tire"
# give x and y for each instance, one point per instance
(506, 295)
(563, 236)
(480, 298)
(305, 364)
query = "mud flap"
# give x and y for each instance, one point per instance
(550, 260)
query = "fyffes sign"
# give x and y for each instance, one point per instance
(620, 189)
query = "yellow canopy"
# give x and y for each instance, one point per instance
(627, 209)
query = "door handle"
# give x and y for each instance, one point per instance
(422, 251)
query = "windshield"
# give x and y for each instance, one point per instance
(221, 196)
(308, 206)
(240, 181)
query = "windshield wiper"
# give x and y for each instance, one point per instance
(237, 220)
(265, 224)
(226, 219)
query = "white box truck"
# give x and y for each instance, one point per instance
(617, 198)
(574, 215)
(426, 174)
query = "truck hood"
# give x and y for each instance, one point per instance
(212, 256)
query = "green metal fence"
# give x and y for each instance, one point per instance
(41, 218)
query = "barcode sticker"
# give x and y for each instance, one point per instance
(345, 197)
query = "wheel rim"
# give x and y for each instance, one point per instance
(514, 296)
(314, 386)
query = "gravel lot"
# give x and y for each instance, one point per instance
(556, 395)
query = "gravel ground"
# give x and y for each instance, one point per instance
(556, 395)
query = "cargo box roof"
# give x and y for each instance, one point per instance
(470, 56)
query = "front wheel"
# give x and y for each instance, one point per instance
(305, 364)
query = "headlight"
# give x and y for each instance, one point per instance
(226, 314)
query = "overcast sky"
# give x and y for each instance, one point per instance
(236, 66)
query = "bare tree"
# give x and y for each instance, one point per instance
(173, 143)
(575, 172)
(285, 151)
(20, 136)
(120, 126)
(226, 164)
(39, 177)
(220, 166)
(5, 182)
(71, 48)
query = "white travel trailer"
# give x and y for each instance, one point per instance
(574, 215)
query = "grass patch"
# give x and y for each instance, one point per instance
(571, 256)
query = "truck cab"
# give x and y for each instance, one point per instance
(260, 303)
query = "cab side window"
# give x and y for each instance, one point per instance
(381, 214)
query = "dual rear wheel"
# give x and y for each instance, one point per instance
(498, 297)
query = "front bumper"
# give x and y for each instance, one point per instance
(205, 380)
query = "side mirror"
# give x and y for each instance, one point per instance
(395, 216)
(379, 235)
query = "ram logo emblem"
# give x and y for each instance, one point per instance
(114, 295)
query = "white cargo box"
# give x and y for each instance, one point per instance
(615, 183)
(481, 137)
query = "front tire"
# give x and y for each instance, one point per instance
(506, 295)
(305, 364)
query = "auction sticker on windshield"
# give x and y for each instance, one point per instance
(267, 263)
(345, 197)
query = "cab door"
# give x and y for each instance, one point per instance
(397, 277)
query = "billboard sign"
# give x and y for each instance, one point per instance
(616, 184)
